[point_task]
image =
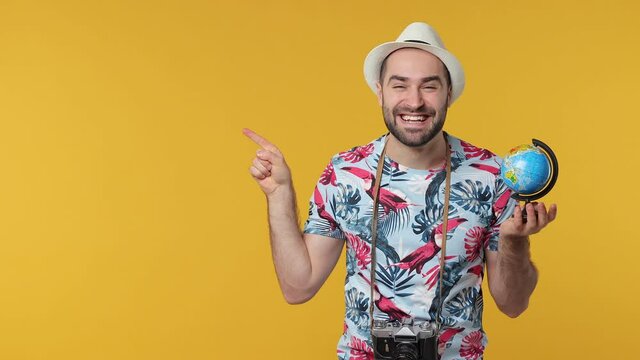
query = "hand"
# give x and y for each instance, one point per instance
(537, 219)
(268, 169)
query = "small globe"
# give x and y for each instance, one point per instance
(526, 169)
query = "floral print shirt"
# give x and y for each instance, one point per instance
(410, 234)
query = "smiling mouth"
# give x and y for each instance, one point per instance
(414, 118)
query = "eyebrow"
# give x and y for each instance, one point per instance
(423, 80)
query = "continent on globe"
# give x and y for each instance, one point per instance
(511, 175)
(520, 148)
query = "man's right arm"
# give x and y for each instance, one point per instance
(302, 262)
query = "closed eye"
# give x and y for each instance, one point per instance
(431, 85)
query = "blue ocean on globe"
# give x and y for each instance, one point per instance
(526, 169)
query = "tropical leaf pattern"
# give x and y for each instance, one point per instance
(463, 305)
(357, 307)
(472, 347)
(479, 303)
(474, 240)
(410, 234)
(360, 350)
(394, 221)
(328, 176)
(472, 196)
(346, 202)
(396, 280)
(361, 249)
(426, 221)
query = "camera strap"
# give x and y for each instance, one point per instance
(374, 225)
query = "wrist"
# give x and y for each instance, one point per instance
(515, 240)
(281, 193)
(514, 245)
(515, 251)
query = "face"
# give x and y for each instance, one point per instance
(414, 94)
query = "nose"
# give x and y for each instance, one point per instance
(414, 99)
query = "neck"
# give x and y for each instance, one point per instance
(428, 156)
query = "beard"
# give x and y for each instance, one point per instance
(414, 138)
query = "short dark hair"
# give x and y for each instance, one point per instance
(383, 68)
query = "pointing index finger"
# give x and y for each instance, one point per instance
(259, 140)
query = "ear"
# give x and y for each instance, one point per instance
(449, 96)
(379, 93)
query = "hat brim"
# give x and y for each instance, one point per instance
(374, 59)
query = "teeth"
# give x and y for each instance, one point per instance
(413, 117)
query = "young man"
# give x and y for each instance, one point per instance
(415, 79)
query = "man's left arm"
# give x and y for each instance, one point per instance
(511, 274)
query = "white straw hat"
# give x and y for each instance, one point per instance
(420, 36)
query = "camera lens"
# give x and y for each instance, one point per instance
(405, 351)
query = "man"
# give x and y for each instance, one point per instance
(415, 79)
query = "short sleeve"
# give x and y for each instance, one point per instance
(502, 209)
(322, 218)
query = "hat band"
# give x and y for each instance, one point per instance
(417, 41)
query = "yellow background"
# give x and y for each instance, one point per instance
(131, 229)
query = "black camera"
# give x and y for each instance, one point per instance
(405, 340)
